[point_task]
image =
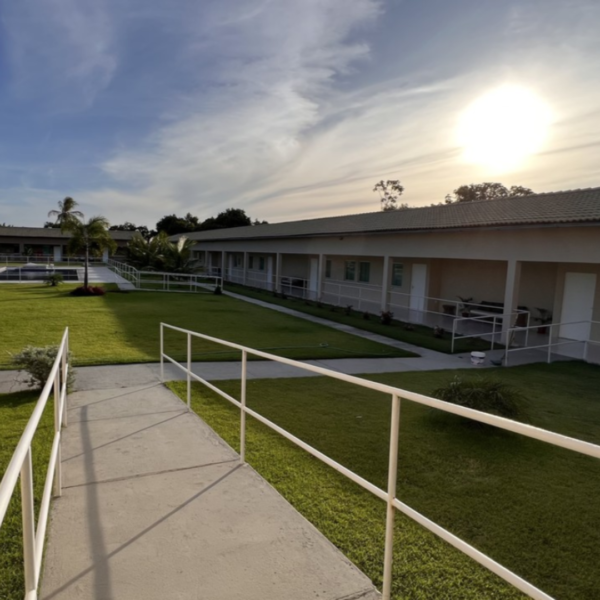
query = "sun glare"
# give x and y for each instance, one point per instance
(502, 128)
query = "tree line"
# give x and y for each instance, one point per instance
(391, 190)
(174, 225)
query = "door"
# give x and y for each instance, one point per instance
(313, 282)
(418, 291)
(577, 305)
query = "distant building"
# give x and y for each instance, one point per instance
(40, 242)
(534, 252)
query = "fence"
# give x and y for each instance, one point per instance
(466, 323)
(390, 495)
(47, 259)
(555, 341)
(21, 465)
(158, 281)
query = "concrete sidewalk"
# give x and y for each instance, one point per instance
(156, 506)
(138, 374)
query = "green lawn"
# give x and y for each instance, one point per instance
(15, 410)
(124, 327)
(530, 506)
(419, 336)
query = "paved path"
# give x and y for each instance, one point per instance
(156, 506)
(138, 374)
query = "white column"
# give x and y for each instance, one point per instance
(223, 264)
(206, 262)
(511, 297)
(245, 267)
(278, 272)
(385, 283)
(322, 260)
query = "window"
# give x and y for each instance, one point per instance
(251, 262)
(261, 263)
(364, 272)
(350, 270)
(237, 261)
(397, 270)
(328, 269)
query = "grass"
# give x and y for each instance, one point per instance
(15, 410)
(532, 507)
(124, 327)
(420, 335)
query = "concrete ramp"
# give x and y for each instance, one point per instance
(156, 506)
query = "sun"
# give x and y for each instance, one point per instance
(502, 128)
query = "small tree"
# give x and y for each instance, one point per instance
(390, 191)
(90, 238)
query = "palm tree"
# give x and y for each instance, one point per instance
(179, 257)
(91, 237)
(148, 253)
(66, 212)
(161, 254)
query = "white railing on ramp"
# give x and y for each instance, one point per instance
(389, 496)
(20, 465)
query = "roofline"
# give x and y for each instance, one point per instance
(595, 223)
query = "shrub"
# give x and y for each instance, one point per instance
(91, 290)
(484, 394)
(366, 316)
(37, 362)
(348, 310)
(218, 291)
(386, 317)
(54, 279)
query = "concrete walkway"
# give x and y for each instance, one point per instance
(156, 506)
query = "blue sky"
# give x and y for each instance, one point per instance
(285, 108)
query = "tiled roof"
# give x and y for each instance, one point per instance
(575, 206)
(43, 232)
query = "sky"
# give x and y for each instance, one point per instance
(288, 109)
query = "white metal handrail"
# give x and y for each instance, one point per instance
(47, 259)
(485, 319)
(164, 280)
(20, 465)
(551, 344)
(388, 496)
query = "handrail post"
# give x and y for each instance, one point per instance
(243, 407)
(57, 409)
(28, 524)
(65, 368)
(549, 360)
(391, 494)
(162, 352)
(189, 371)
(493, 331)
(453, 335)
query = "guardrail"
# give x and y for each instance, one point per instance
(390, 495)
(553, 342)
(484, 319)
(48, 259)
(20, 465)
(160, 281)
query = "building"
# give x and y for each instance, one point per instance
(538, 254)
(46, 243)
